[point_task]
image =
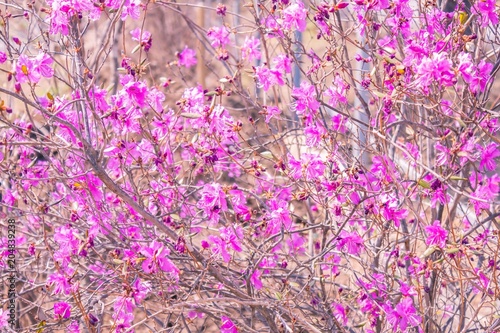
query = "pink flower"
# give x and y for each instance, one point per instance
(403, 316)
(465, 66)
(333, 261)
(187, 57)
(212, 201)
(232, 236)
(218, 247)
(98, 98)
(340, 313)
(140, 37)
(32, 70)
(279, 216)
(311, 164)
(131, 8)
(229, 238)
(240, 205)
(482, 76)
(221, 9)
(268, 77)
(26, 70)
(476, 77)
(155, 98)
(9, 197)
(486, 190)
(60, 283)
(59, 21)
(255, 279)
(43, 64)
(273, 27)
(62, 310)
(227, 326)
(123, 313)
(156, 257)
(283, 63)
(314, 134)
(384, 168)
(351, 242)
(137, 91)
(407, 290)
(271, 112)
(488, 155)
(4, 317)
(486, 9)
(391, 209)
(250, 49)
(305, 97)
(338, 92)
(437, 234)
(140, 290)
(73, 327)
(219, 36)
(294, 16)
(338, 123)
(443, 155)
(438, 68)
(3, 57)
(484, 282)
(296, 244)
(124, 304)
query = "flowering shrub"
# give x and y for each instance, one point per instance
(293, 166)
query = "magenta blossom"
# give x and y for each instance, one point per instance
(305, 97)
(351, 242)
(296, 244)
(233, 236)
(437, 68)
(156, 257)
(4, 317)
(404, 316)
(140, 290)
(437, 234)
(271, 112)
(212, 201)
(141, 36)
(43, 64)
(219, 36)
(60, 283)
(26, 70)
(283, 63)
(337, 93)
(294, 16)
(227, 326)
(488, 155)
(486, 10)
(73, 327)
(250, 49)
(340, 313)
(310, 165)
(131, 8)
(268, 77)
(187, 57)
(32, 69)
(62, 310)
(338, 123)
(255, 279)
